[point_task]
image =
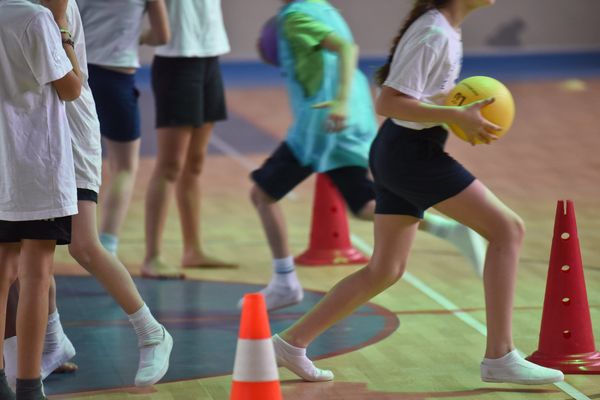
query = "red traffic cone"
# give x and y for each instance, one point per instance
(566, 336)
(329, 232)
(255, 375)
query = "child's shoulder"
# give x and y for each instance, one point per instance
(22, 13)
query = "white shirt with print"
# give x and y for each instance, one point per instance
(427, 62)
(197, 29)
(37, 178)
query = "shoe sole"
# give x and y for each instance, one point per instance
(165, 367)
(523, 382)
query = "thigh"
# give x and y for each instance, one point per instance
(478, 208)
(394, 236)
(280, 173)
(173, 144)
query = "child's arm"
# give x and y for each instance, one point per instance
(348, 55)
(69, 86)
(394, 104)
(159, 32)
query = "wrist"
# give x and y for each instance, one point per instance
(62, 22)
(454, 115)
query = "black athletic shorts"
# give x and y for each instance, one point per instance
(58, 229)
(412, 171)
(188, 91)
(87, 195)
(282, 172)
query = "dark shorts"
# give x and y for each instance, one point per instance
(87, 195)
(116, 99)
(282, 172)
(58, 229)
(412, 171)
(188, 91)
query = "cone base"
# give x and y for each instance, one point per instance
(348, 256)
(587, 363)
(255, 391)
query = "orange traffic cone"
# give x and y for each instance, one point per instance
(566, 336)
(329, 232)
(255, 375)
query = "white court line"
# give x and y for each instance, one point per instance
(230, 151)
(456, 311)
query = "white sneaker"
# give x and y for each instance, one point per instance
(471, 245)
(154, 360)
(50, 361)
(295, 359)
(278, 296)
(513, 368)
(63, 353)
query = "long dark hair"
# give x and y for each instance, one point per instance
(420, 7)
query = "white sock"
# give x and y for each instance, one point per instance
(284, 272)
(110, 242)
(295, 359)
(145, 325)
(54, 333)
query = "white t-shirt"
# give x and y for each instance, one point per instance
(113, 29)
(83, 119)
(37, 178)
(197, 29)
(427, 62)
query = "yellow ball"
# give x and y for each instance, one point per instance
(501, 112)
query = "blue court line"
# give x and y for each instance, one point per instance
(507, 67)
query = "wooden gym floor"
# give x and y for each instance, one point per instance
(550, 154)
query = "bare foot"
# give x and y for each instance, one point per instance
(205, 261)
(156, 269)
(66, 368)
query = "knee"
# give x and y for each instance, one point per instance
(259, 197)
(194, 165)
(171, 171)
(367, 212)
(511, 230)
(385, 275)
(9, 275)
(80, 253)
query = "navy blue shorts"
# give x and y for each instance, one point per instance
(116, 99)
(282, 172)
(56, 229)
(188, 91)
(412, 171)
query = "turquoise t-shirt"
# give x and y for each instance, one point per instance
(308, 138)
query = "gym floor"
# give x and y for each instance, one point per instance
(421, 339)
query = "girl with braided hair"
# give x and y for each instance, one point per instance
(412, 173)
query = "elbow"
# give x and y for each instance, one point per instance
(71, 94)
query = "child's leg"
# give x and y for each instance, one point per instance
(394, 235)
(480, 209)
(9, 258)
(188, 194)
(35, 272)
(123, 159)
(155, 343)
(173, 144)
(285, 288)
(358, 191)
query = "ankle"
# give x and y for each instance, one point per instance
(292, 340)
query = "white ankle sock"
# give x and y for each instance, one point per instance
(54, 333)
(146, 327)
(110, 242)
(284, 272)
(295, 359)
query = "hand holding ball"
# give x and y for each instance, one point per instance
(476, 88)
